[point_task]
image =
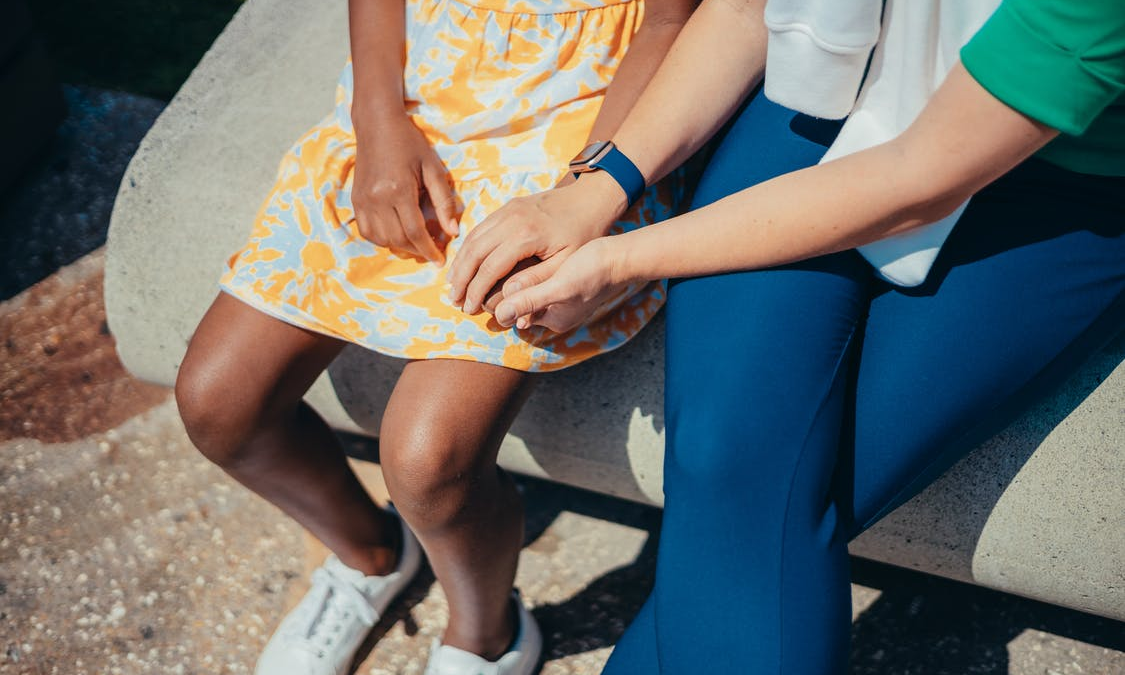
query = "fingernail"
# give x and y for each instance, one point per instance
(523, 323)
(504, 315)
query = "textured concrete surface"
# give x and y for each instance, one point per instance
(123, 552)
(1049, 527)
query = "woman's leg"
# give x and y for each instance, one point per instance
(441, 431)
(756, 369)
(1030, 284)
(752, 575)
(239, 391)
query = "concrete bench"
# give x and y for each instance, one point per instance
(1038, 511)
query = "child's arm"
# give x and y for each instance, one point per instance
(658, 30)
(394, 161)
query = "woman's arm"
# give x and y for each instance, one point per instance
(395, 163)
(963, 140)
(715, 61)
(663, 20)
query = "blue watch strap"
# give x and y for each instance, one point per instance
(627, 175)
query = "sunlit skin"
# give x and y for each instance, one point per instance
(437, 445)
(964, 139)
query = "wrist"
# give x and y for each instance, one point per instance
(603, 195)
(618, 259)
(374, 115)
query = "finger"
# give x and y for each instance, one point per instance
(492, 269)
(496, 293)
(532, 275)
(477, 245)
(370, 223)
(525, 322)
(441, 196)
(558, 318)
(493, 298)
(414, 227)
(526, 302)
(363, 226)
(386, 230)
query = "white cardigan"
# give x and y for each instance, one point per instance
(818, 50)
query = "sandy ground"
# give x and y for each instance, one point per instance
(122, 551)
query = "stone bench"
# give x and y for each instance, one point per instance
(1038, 511)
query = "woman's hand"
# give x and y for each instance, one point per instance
(547, 227)
(395, 165)
(567, 297)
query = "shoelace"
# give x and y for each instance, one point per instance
(331, 603)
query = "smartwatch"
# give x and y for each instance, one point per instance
(604, 156)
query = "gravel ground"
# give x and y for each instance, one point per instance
(123, 552)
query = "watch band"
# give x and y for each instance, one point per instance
(621, 169)
(627, 175)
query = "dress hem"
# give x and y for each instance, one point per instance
(285, 312)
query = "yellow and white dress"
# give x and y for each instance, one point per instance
(506, 91)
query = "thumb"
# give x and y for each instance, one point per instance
(441, 196)
(523, 303)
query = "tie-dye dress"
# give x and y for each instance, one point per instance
(506, 91)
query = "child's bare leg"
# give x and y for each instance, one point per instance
(239, 391)
(440, 435)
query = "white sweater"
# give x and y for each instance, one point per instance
(818, 50)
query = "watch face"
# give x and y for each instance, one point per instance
(590, 152)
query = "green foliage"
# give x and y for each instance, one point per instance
(142, 46)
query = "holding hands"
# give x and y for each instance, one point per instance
(548, 227)
(565, 297)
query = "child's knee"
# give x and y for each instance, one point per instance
(216, 421)
(429, 477)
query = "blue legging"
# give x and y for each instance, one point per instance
(804, 402)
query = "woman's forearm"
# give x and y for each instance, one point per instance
(662, 22)
(377, 29)
(716, 60)
(963, 140)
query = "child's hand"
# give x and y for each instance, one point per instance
(565, 297)
(548, 227)
(394, 166)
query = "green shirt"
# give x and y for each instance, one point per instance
(1062, 63)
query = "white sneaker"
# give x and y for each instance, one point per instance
(323, 632)
(521, 659)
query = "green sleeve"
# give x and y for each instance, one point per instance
(1059, 62)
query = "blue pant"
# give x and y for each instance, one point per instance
(804, 402)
